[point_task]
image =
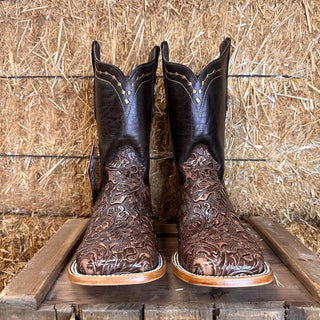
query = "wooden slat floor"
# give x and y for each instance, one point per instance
(171, 298)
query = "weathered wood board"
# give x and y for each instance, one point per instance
(118, 311)
(169, 297)
(274, 310)
(30, 286)
(45, 312)
(300, 260)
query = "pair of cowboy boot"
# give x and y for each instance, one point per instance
(120, 245)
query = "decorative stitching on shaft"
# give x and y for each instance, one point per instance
(188, 80)
(141, 83)
(105, 80)
(125, 94)
(198, 111)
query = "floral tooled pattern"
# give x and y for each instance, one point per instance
(212, 241)
(120, 237)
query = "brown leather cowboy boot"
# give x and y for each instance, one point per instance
(120, 246)
(214, 249)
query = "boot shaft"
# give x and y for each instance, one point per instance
(197, 106)
(124, 108)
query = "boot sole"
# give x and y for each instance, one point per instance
(116, 279)
(222, 281)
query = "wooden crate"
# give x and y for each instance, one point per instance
(42, 289)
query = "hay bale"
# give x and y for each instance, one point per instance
(308, 234)
(276, 121)
(273, 120)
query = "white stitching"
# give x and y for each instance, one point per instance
(136, 91)
(122, 89)
(202, 85)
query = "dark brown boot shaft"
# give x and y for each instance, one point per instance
(197, 105)
(124, 108)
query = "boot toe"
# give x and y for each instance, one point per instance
(121, 263)
(222, 262)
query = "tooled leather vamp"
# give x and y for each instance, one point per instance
(212, 241)
(120, 237)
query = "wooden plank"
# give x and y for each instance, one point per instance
(305, 312)
(31, 285)
(110, 311)
(178, 311)
(301, 261)
(250, 311)
(170, 290)
(47, 312)
(64, 312)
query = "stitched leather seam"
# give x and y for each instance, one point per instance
(115, 78)
(186, 78)
(186, 92)
(180, 75)
(135, 93)
(205, 93)
(109, 74)
(213, 72)
(185, 88)
(140, 77)
(122, 105)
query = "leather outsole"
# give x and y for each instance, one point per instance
(116, 279)
(263, 278)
